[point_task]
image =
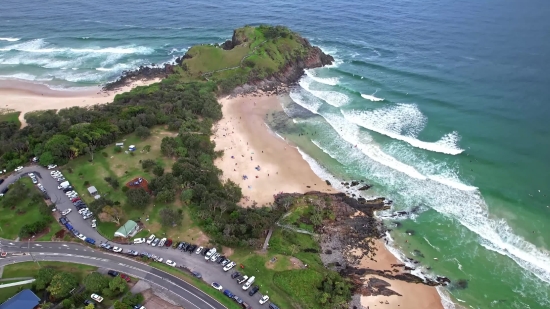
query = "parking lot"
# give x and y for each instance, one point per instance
(209, 271)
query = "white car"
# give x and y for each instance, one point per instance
(159, 259)
(242, 279)
(52, 166)
(83, 210)
(82, 237)
(66, 212)
(150, 239)
(199, 250)
(217, 286)
(171, 263)
(209, 253)
(161, 242)
(97, 298)
(214, 257)
(17, 169)
(264, 299)
(248, 283)
(117, 249)
(229, 266)
(94, 224)
(139, 241)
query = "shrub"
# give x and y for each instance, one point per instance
(105, 154)
(125, 188)
(158, 170)
(86, 183)
(147, 164)
(118, 149)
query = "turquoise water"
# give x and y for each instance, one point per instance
(442, 105)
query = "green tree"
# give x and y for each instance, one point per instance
(138, 197)
(143, 132)
(44, 277)
(158, 170)
(170, 217)
(67, 303)
(166, 196)
(95, 282)
(120, 305)
(62, 284)
(47, 158)
(90, 306)
(117, 285)
(147, 164)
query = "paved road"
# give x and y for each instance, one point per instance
(210, 272)
(190, 296)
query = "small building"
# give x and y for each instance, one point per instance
(129, 229)
(119, 144)
(25, 299)
(93, 192)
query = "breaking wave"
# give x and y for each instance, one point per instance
(332, 81)
(10, 39)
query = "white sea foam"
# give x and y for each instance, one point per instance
(332, 81)
(465, 206)
(39, 46)
(429, 243)
(371, 97)
(10, 39)
(403, 122)
(333, 98)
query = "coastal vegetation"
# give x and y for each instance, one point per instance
(24, 212)
(170, 123)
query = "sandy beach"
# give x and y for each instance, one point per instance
(27, 97)
(248, 143)
(413, 295)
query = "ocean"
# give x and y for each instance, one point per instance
(440, 105)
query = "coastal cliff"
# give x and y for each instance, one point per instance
(263, 57)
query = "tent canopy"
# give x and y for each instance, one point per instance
(127, 230)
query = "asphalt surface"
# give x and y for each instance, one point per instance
(211, 272)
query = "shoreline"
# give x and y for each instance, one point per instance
(25, 97)
(243, 133)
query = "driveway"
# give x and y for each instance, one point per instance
(211, 272)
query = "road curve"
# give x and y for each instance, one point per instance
(187, 294)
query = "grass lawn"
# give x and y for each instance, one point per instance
(10, 116)
(6, 293)
(29, 269)
(284, 279)
(201, 285)
(54, 228)
(15, 216)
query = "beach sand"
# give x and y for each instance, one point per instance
(413, 295)
(27, 97)
(243, 135)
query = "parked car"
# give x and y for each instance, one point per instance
(209, 253)
(225, 262)
(162, 241)
(229, 266)
(17, 169)
(170, 263)
(217, 286)
(185, 246)
(192, 248)
(112, 273)
(125, 277)
(180, 245)
(242, 279)
(248, 283)
(63, 220)
(228, 293)
(81, 237)
(52, 166)
(254, 290)
(168, 243)
(66, 212)
(196, 274)
(90, 240)
(237, 299)
(97, 298)
(117, 249)
(159, 259)
(155, 242)
(264, 299)
(139, 241)
(235, 275)
(273, 306)
(150, 239)
(214, 257)
(199, 250)
(94, 223)
(132, 252)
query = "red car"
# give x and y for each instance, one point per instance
(168, 243)
(125, 277)
(75, 199)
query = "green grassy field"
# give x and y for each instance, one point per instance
(15, 216)
(10, 116)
